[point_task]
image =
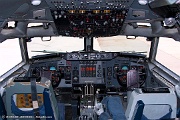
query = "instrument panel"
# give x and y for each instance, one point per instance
(90, 56)
(79, 18)
(80, 23)
(88, 4)
(109, 69)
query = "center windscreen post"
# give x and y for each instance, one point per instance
(88, 44)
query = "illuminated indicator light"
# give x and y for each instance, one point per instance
(101, 17)
(52, 68)
(96, 11)
(71, 11)
(90, 68)
(82, 11)
(35, 2)
(107, 11)
(124, 68)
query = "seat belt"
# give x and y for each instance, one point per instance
(34, 96)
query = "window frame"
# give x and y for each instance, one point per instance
(4, 78)
(158, 68)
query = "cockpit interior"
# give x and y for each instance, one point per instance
(89, 84)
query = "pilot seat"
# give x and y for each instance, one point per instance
(151, 104)
(19, 101)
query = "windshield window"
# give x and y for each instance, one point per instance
(69, 44)
(10, 55)
(122, 44)
(168, 54)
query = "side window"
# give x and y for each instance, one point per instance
(10, 55)
(168, 54)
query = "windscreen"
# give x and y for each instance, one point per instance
(69, 44)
